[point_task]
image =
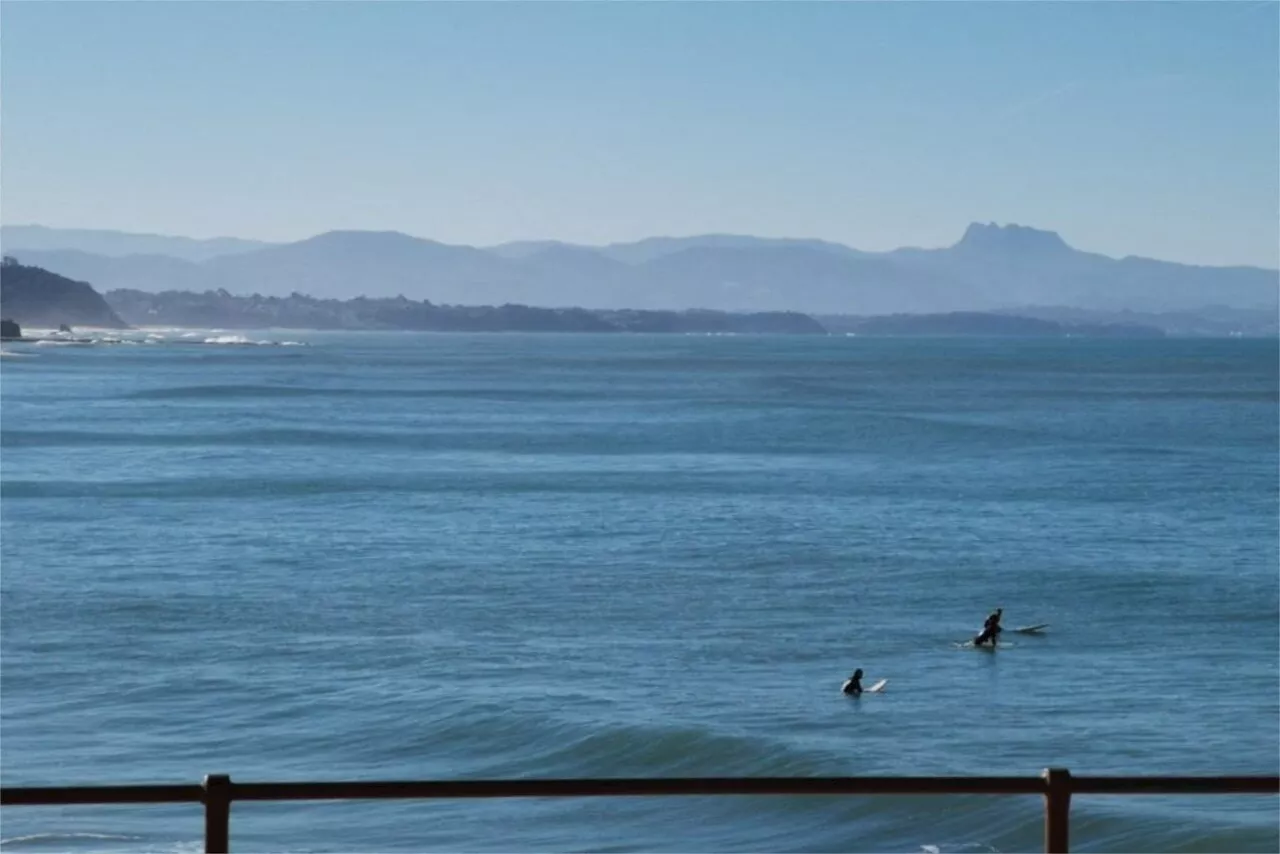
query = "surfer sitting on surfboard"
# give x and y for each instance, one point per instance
(854, 685)
(990, 629)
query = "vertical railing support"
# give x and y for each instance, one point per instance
(217, 814)
(1057, 810)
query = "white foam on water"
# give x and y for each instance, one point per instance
(54, 339)
(242, 341)
(59, 837)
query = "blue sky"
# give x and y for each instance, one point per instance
(1134, 128)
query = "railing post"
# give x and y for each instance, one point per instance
(217, 814)
(1057, 810)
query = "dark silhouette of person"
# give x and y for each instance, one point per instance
(990, 629)
(853, 686)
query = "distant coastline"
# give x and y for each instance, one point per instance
(34, 297)
(222, 310)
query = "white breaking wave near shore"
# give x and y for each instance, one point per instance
(145, 336)
(243, 341)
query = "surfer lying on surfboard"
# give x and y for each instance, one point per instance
(990, 629)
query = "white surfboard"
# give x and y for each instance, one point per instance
(987, 646)
(874, 689)
(1032, 630)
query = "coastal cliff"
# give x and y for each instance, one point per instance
(33, 296)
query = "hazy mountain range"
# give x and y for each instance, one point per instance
(990, 267)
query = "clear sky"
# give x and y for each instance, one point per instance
(1130, 128)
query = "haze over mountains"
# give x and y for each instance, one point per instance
(118, 244)
(990, 267)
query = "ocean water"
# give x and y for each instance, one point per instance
(383, 556)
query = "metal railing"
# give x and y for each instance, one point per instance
(1055, 785)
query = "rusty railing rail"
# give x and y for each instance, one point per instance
(1055, 785)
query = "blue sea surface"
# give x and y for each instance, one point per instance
(414, 556)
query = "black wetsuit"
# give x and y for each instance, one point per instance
(990, 629)
(853, 686)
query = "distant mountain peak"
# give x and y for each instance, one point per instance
(367, 237)
(1011, 238)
